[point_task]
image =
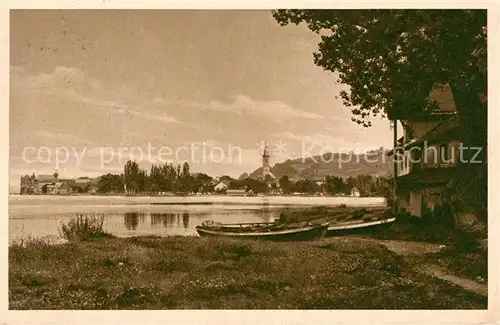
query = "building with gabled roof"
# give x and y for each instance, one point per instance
(427, 154)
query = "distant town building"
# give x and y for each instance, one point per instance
(221, 186)
(355, 192)
(51, 184)
(236, 192)
(46, 179)
(82, 180)
(47, 183)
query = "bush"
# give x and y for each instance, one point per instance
(29, 241)
(83, 227)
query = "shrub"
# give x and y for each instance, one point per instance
(29, 241)
(83, 227)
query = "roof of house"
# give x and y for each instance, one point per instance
(440, 94)
(426, 177)
(46, 178)
(63, 185)
(443, 96)
(443, 130)
(446, 130)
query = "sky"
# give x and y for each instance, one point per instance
(91, 89)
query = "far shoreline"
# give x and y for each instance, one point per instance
(192, 195)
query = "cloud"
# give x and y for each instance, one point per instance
(72, 139)
(241, 105)
(127, 111)
(270, 109)
(72, 84)
(60, 78)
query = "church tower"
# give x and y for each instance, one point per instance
(266, 167)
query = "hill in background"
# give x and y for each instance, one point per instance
(374, 163)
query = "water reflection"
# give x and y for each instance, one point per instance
(135, 223)
(131, 220)
(181, 220)
(162, 220)
(266, 214)
(157, 220)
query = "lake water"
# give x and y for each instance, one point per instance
(40, 216)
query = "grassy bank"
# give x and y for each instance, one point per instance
(192, 272)
(464, 252)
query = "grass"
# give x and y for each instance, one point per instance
(208, 273)
(463, 254)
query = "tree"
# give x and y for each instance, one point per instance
(169, 177)
(131, 172)
(156, 178)
(390, 59)
(202, 183)
(334, 185)
(268, 179)
(142, 180)
(225, 178)
(365, 184)
(178, 172)
(254, 185)
(110, 183)
(285, 184)
(350, 183)
(306, 186)
(185, 170)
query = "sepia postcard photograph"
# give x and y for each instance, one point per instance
(256, 159)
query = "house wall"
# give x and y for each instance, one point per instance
(441, 155)
(419, 200)
(415, 203)
(403, 200)
(431, 198)
(429, 156)
(404, 164)
(221, 186)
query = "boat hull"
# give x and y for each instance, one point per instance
(361, 228)
(299, 234)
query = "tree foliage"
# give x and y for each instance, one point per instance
(110, 183)
(391, 58)
(285, 184)
(164, 178)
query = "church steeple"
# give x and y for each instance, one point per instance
(266, 167)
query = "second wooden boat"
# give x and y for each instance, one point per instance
(359, 226)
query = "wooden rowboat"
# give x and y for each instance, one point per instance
(263, 231)
(359, 226)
